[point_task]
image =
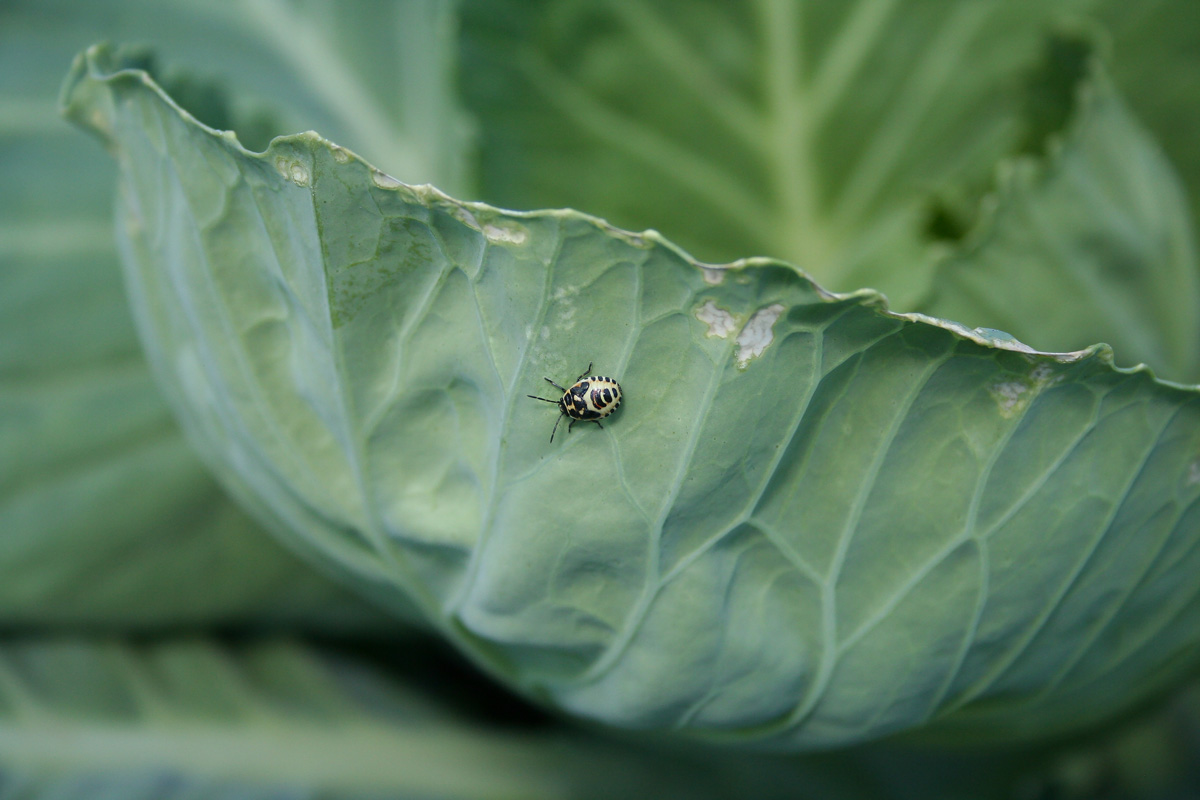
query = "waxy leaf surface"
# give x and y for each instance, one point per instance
(812, 521)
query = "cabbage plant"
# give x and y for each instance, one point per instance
(908, 447)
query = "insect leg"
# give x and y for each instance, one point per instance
(571, 424)
(598, 425)
(552, 383)
(555, 429)
(585, 372)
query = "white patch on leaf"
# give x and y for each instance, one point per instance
(564, 307)
(720, 322)
(1041, 373)
(100, 122)
(299, 174)
(1014, 395)
(505, 234)
(1010, 396)
(758, 334)
(295, 171)
(384, 181)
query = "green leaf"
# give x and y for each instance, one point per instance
(820, 133)
(190, 717)
(1093, 243)
(187, 718)
(1154, 64)
(812, 522)
(374, 75)
(106, 515)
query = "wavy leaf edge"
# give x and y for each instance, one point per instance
(91, 64)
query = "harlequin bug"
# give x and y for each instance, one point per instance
(590, 399)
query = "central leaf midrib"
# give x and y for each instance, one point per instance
(308, 49)
(790, 126)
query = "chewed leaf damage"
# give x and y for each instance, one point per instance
(719, 321)
(758, 334)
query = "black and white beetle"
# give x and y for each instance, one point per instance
(590, 399)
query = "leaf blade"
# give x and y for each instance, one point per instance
(354, 352)
(1104, 221)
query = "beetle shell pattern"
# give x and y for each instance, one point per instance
(591, 398)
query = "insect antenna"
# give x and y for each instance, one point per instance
(544, 400)
(555, 385)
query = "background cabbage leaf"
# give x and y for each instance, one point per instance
(189, 717)
(862, 141)
(1093, 242)
(277, 718)
(107, 518)
(813, 521)
(824, 134)
(614, 108)
(1152, 49)
(270, 67)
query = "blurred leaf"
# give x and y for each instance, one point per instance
(106, 516)
(816, 132)
(186, 718)
(812, 522)
(375, 75)
(1093, 242)
(84, 719)
(1156, 64)
(191, 718)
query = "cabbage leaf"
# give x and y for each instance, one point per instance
(1092, 243)
(823, 134)
(107, 518)
(813, 521)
